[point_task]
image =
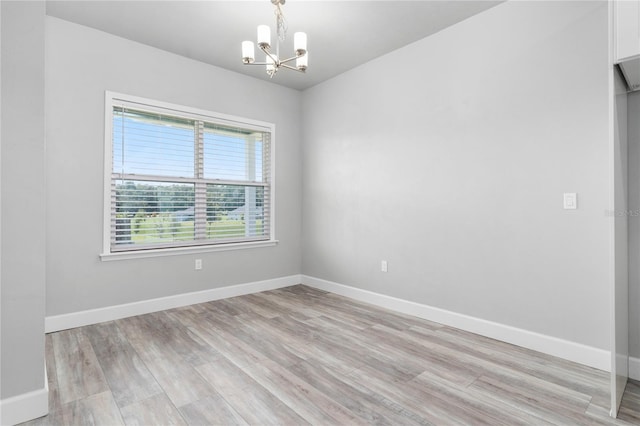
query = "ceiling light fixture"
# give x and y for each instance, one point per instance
(272, 60)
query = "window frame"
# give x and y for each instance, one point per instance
(114, 99)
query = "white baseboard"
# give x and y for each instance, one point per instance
(634, 368)
(110, 313)
(576, 352)
(25, 407)
(583, 354)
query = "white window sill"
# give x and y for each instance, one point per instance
(139, 254)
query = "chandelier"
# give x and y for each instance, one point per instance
(272, 59)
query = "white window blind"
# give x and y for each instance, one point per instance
(182, 179)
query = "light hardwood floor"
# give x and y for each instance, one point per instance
(303, 356)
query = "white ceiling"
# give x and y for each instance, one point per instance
(341, 34)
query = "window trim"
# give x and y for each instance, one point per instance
(116, 99)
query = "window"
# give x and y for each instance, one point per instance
(184, 178)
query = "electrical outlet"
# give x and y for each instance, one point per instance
(570, 201)
(384, 266)
(198, 264)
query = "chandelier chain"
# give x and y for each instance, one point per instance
(281, 22)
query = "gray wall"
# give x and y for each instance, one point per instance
(81, 64)
(633, 134)
(448, 158)
(22, 180)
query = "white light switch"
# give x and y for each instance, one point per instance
(383, 266)
(570, 201)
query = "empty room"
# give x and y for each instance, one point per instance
(319, 212)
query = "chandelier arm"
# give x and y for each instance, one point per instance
(290, 59)
(291, 68)
(274, 58)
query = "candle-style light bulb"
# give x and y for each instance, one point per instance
(264, 36)
(300, 43)
(272, 67)
(248, 52)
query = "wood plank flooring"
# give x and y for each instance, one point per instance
(299, 356)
